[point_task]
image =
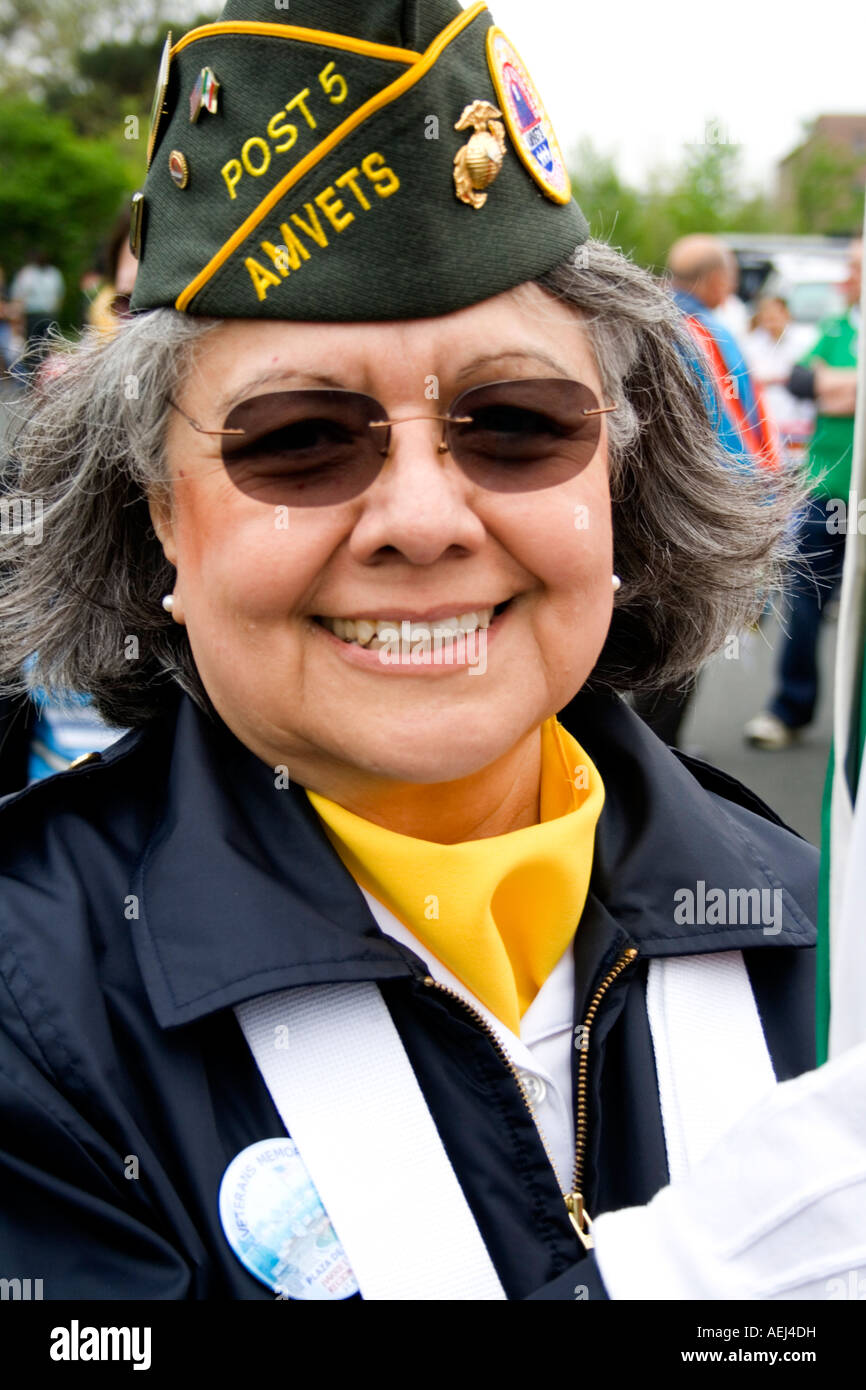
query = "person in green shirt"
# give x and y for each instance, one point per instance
(821, 541)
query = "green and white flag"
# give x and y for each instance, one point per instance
(842, 940)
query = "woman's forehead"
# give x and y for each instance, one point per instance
(520, 333)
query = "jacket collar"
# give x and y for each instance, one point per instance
(674, 826)
(240, 892)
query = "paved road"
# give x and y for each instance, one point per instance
(730, 691)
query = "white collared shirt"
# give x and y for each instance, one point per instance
(542, 1053)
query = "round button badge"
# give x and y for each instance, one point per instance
(274, 1221)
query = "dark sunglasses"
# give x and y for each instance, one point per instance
(328, 446)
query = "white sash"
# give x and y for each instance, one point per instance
(345, 1090)
(712, 1062)
(348, 1096)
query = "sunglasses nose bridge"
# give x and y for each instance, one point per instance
(381, 430)
(380, 433)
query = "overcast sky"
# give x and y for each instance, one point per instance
(643, 79)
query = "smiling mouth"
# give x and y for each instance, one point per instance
(376, 633)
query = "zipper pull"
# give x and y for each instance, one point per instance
(580, 1219)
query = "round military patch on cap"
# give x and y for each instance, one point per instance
(525, 116)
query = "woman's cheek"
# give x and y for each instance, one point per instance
(567, 540)
(245, 559)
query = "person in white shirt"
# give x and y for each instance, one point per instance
(772, 349)
(38, 290)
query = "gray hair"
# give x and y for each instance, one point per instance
(697, 537)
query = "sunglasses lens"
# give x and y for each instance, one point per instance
(318, 448)
(312, 448)
(524, 435)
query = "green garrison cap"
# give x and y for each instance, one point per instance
(346, 160)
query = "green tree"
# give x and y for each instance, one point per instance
(703, 192)
(826, 189)
(42, 39)
(705, 195)
(113, 81)
(110, 84)
(706, 192)
(612, 207)
(58, 192)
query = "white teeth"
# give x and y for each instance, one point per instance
(374, 632)
(446, 624)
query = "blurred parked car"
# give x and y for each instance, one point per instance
(807, 272)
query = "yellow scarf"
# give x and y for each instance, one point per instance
(499, 912)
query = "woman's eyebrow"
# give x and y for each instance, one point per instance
(530, 355)
(321, 378)
(283, 376)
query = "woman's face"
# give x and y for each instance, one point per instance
(773, 317)
(256, 575)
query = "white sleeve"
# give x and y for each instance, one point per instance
(777, 1209)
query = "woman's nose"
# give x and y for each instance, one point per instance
(421, 503)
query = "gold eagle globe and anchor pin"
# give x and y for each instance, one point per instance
(478, 162)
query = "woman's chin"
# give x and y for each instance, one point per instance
(444, 749)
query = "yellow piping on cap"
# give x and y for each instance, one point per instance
(290, 31)
(384, 98)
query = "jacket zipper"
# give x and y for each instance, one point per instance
(500, 1051)
(578, 1214)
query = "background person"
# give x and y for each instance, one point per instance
(44, 734)
(111, 303)
(703, 274)
(773, 347)
(732, 311)
(821, 543)
(38, 291)
(7, 317)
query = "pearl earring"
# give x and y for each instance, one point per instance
(168, 603)
(617, 582)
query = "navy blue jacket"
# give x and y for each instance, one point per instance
(146, 892)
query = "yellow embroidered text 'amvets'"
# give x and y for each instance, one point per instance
(255, 155)
(289, 252)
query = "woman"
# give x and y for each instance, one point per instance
(6, 324)
(111, 302)
(773, 348)
(336, 536)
